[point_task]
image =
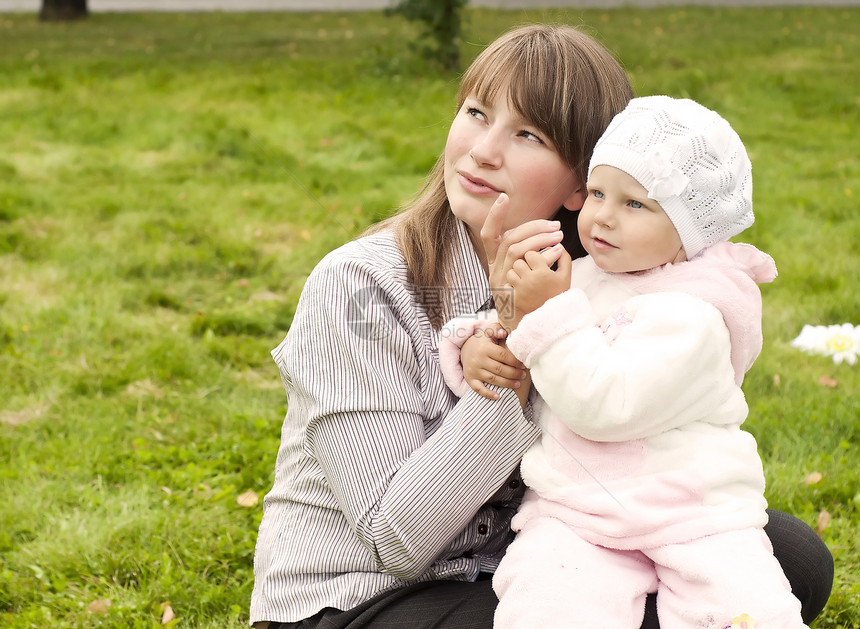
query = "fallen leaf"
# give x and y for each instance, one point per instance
(265, 295)
(202, 488)
(814, 477)
(776, 380)
(144, 388)
(15, 418)
(248, 499)
(167, 615)
(827, 381)
(823, 521)
(100, 606)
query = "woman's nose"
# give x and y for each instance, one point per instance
(488, 152)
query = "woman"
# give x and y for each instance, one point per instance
(392, 498)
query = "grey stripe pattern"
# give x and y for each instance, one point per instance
(383, 476)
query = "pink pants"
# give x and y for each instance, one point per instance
(551, 578)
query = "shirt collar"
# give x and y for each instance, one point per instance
(470, 289)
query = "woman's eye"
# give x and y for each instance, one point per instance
(528, 135)
(475, 113)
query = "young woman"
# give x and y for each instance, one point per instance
(392, 498)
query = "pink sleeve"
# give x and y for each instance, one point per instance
(557, 318)
(452, 336)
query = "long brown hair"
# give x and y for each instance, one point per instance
(561, 80)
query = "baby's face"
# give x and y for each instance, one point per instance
(621, 228)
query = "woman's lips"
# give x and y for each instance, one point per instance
(475, 185)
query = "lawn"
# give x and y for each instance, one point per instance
(168, 181)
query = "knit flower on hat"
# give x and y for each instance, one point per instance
(744, 621)
(668, 179)
(842, 342)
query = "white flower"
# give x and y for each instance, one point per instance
(842, 342)
(812, 339)
(668, 179)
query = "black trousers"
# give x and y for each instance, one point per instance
(805, 559)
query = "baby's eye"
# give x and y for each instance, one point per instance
(597, 194)
(636, 204)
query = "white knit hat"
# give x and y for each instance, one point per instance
(689, 160)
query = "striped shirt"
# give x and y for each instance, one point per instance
(383, 476)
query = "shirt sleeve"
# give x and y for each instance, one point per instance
(407, 479)
(664, 363)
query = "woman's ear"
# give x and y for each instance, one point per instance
(575, 200)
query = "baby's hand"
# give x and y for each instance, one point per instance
(534, 281)
(486, 360)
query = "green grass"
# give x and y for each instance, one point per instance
(168, 181)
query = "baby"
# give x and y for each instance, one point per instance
(643, 480)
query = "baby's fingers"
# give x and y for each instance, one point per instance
(500, 375)
(553, 254)
(480, 388)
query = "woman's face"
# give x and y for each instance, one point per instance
(492, 149)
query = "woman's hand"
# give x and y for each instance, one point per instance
(486, 360)
(523, 389)
(502, 249)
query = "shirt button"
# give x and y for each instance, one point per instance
(483, 529)
(514, 483)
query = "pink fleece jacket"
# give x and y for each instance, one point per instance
(640, 401)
